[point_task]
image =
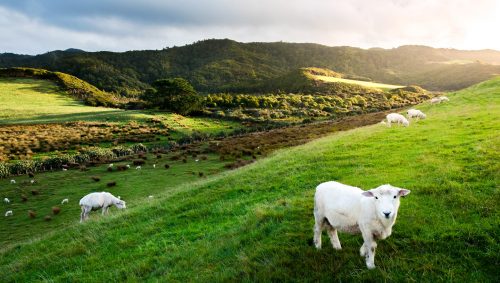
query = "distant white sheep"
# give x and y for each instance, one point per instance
(9, 213)
(110, 165)
(138, 168)
(6, 200)
(339, 207)
(32, 181)
(12, 181)
(396, 118)
(64, 201)
(95, 201)
(150, 196)
(154, 165)
(414, 113)
(128, 165)
(437, 100)
(64, 169)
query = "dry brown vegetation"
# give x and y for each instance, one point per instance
(22, 141)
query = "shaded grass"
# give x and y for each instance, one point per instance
(255, 223)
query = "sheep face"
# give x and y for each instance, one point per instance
(121, 204)
(386, 201)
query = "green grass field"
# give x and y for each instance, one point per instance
(380, 86)
(32, 101)
(255, 223)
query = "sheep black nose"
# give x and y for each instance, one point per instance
(387, 214)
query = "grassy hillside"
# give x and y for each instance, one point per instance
(357, 82)
(72, 85)
(35, 100)
(255, 223)
(226, 65)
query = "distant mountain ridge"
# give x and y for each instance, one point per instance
(223, 65)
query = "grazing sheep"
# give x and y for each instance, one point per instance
(138, 168)
(6, 200)
(396, 118)
(150, 197)
(110, 165)
(32, 181)
(444, 98)
(64, 169)
(339, 207)
(154, 165)
(95, 201)
(435, 100)
(128, 166)
(414, 113)
(9, 213)
(12, 181)
(64, 201)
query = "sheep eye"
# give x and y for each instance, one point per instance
(376, 197)
(394, 196)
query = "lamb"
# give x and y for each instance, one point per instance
(95, 201)
(339, 207)
(6, 200)
(9, 213)
(64, 201)
(414, 113)
(396, 118)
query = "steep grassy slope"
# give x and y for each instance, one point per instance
(226, 65)
(255, 224)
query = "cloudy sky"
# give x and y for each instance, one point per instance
(38, 26)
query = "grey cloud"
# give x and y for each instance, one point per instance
(122, 25)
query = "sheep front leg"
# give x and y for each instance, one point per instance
(368, 249)
(104, 210)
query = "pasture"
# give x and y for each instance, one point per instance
(255, 223)
(380, 86)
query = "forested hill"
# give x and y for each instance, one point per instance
(226, 65)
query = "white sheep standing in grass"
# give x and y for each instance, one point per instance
(138, 168)
(396, 118)
(12, 181)
(95, 201)
(64, 201)
(110, 165)
(443, 98)
(6, 200)
(339, 207)
(9, 213)
(435, 100)
(414, 113)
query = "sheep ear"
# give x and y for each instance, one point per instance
(403, 192)
(367, 194)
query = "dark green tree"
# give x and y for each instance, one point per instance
(176, 95)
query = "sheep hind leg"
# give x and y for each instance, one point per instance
(82, 215)
(334, 237)
(318, 229)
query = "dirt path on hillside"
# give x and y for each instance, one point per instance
(262, 143)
